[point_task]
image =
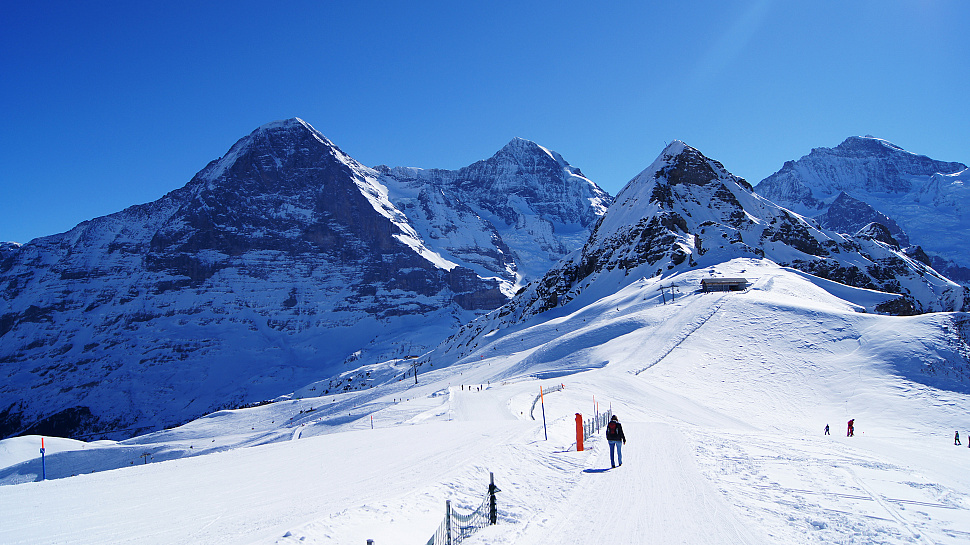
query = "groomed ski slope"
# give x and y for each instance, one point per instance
(723, 398)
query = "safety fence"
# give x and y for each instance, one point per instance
(456, 527)
(544, 391)
(594, 424)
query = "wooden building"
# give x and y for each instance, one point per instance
(724, 284)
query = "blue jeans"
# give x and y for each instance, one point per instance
(618, 445)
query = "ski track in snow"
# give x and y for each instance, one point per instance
(657, 496)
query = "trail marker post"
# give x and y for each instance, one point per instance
(579, 432)
(543, 400)
(43, 463)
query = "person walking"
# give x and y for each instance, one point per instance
(614, 434)
(850, 432)
(827, 430)
(956, 438)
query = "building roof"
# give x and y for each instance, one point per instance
(724, 281)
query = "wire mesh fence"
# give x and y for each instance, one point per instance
(456, 526)
(595, 424)
(543, 391)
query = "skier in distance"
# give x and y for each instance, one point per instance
(850, 432)
(956, 437)
(827, 430)
(614, 434)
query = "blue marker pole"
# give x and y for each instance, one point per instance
(43, 463)
(543, 400)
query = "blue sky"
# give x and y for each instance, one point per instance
(106, 105)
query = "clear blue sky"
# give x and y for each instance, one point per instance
(109, 104)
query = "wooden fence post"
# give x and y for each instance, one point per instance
(447, 522)
(492, 514)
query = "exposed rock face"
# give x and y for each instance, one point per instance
(686, 210)
(7, 249)
(922, 201)
(270, 269)
(846, 214)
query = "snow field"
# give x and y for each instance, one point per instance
(723, 398)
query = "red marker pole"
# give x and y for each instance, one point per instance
(43, 463)
(579, 432)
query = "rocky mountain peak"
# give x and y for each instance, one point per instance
(858, 165)
(847, 213)
(686, 165)
(527, 157)
(878, 231)
(522, 147)
(868, 145)
(680, 177)
(278, 156)
(913, 195)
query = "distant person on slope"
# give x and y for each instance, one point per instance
(956, 438)
(827, 430)
(851, 431)
(614, 434)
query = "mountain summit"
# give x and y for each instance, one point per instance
(510, 217)
(927, 200)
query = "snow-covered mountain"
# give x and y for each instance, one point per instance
(280, 264)
(928, 199)
(685, 211)
(525, 208)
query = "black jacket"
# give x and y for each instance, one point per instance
(617, 435)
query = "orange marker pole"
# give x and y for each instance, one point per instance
(579, 432)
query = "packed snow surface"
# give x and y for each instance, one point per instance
(723, 398)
